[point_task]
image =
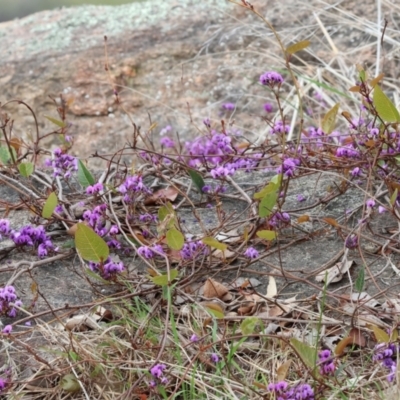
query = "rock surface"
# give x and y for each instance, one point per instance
(172, 62)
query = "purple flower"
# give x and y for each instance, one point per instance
(300, 198)
(158, 370)
(214, 358)
(381, 209)
(228, 106)
(194, 338)
(351, 241)
(251, 252)
(268, 107)
(271, 78)
(165, 130)
(370, 203)
(97, 188)
(7, 329)
(326, 364)
(356, 172)
(280, 127)
(145, 252)
(167, 142)
(3, 384)
(207, 122)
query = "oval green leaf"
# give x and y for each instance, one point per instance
(70, 384)
(329, 121)
(249, 324)
(197, 179)
(85, 178)
(49, 205)
(90, 245)
(306, 352)
(267, 204)
(162, 280)
(214, 243)
(5, 155)
(267, 235)
(271, 187)
(25, 169)
(383, 105)
(175, 239)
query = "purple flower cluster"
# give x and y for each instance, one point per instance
(108, 269)
(63, 164)
(228, 106)
(326, 363)
(8, 301)
(94, 189)
(97, 219)
(28, 236)
(387, 354)
(279, 219)
(251, 253)
(193, 249)
(282, 391)
(158, 374)
(280, 127)
(167, 142)
(271, 78)
(150, 252)
(289, 166)
(132, 187)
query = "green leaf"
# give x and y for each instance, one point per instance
(277, 179)
(5, 156)
(306, 352)
(267, 204)
(162, 280)
(383, 105)
(271, 187)
(61, 124)
(359, 284)
(165, 210)
(85, 178)
(248, 325)
(175, 239)
(70, 384)
(329, 121)
(25, 169)
(197, 179)
(49, 205)
(393, 197)
(294, 48)
(267, 235)
(215, 312)
(90, 245)
(214, 243)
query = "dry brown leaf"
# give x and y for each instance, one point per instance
(223, 254)
(272, 290)
(335, 273)
(330, 221)
(303, 218)
(245, 310)
(253, 297)
(81, 323)
(161, 196)
(231, 236)
(213, 288)
(282, 371)
(227, 297)
(363, 318)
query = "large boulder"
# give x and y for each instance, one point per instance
(172, 62)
